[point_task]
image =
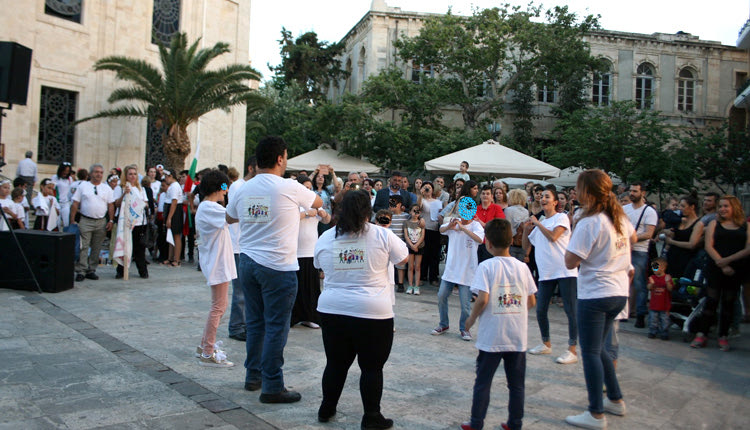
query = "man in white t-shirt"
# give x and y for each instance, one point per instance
(94, 200)
(644, 219)
(267, 208)
(461, 261)
(237, 310)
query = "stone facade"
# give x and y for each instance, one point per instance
(64, 52)
(717, 70)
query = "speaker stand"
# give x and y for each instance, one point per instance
(18, 244)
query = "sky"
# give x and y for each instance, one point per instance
(718, 20)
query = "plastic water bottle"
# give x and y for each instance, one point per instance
(697, 276)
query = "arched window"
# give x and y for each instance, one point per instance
(644, 86)
(685, 90)
(361, 66)
(602, 84)
(348, 83)
(166, 21)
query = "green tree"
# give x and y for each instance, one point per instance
(481, 57)
(181, 92)
(722, 155)
(631, 143)
(309, 63)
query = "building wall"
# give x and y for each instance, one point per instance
(64, 53)
(716, 66)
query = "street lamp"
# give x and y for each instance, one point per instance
(494, 129)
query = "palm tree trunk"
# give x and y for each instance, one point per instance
(176, 147)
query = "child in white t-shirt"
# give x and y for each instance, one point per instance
(47, 207)
(505, 291)
(217, 263)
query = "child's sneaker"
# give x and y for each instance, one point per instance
(410, 290)
(198, 351)
(723, 344)
(465, 335)
(699, 341)
(438, 330)
(217, 359)
(416, 291)
(540, 349)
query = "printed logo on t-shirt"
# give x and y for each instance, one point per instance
(621, 244)
(507, 299)
(470, 243)
(258, 209)
(349, 255)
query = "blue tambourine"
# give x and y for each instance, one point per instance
(467, 208)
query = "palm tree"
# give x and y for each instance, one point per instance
(181, 92)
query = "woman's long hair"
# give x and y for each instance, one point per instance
(124, 177)
(595, 191)
(354, 213)
(465, 192)
(738, 214)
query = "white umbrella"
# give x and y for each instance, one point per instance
(492, 158)
(569, 176)
(327, 156)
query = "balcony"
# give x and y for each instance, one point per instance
(743, 96)
(743, 38)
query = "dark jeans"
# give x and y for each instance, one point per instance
(595, 318)
(139, 251)
(722, 289)
(269, 296)
(569, 293)
(237, 310)
(431, 256)
(345, 338)
(639, 260)
(515, 374)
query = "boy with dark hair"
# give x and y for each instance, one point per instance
(505, 291)
(660, 284)
(269, 149)
(398, 218)
(463, 169)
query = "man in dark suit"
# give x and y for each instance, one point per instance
(394, 187)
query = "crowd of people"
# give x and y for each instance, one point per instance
(330, 253)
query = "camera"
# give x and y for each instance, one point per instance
(355, 187)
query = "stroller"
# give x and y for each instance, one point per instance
(689, 296)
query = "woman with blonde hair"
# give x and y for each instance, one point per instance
(728, 246)
(517, 214)
(600, 245)
(130, 237)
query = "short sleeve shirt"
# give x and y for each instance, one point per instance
(461, 260)
(550, 256)
(650, 217)
(174, 192)
(93, 199)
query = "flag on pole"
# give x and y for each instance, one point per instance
(189, 187)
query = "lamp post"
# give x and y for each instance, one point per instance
(494, 129)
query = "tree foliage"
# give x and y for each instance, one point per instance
(631, 143)
(480, 58)
(721, 154)
(180, 92)
(309, 63)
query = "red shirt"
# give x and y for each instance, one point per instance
(493, 211)
(661, 297)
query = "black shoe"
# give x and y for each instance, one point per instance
(80, 277)
(664, 337)
(119, 275)
(651, 336)
(400, 288)
(326, 413)
(143, 275)
(376, 422)
(242, 337)
(284, 396)
(253, 385)
(92, 275)
(640, 321)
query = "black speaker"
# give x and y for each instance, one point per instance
(15, 65)
(50, 255)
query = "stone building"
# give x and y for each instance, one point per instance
(693, 82)
(68, 36)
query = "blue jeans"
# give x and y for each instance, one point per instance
(639, 260)
(73, 228)
(612, 342)
(464, 294)
(237, 311)
(595, 318)
(658, 323)
(269, 297)
(515, 374)
(569, 293)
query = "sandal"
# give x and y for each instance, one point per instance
(175, 264)
(166, 262)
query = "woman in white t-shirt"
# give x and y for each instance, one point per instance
(355, 306)
(305, 306)
(550, 236)
(63, 182)
(600, 245)
(217, 262)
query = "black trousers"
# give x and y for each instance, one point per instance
(345, 338)
(431, 257)
(139, 251)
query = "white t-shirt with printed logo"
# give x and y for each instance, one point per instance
(650, 217)
(357, 281)
(461, 260)
(605, 254)
(550, 256)
(267, 208)
(503, 325)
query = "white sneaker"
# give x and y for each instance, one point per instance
(310, 324)
(217, 359)
(410, 290)
(614, 408)
(540, 349)
(465, 335)
(416, 291)
(567, 358)
(587, 421)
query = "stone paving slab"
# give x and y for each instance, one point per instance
(119, 355)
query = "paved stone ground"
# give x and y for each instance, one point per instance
(118, 355)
